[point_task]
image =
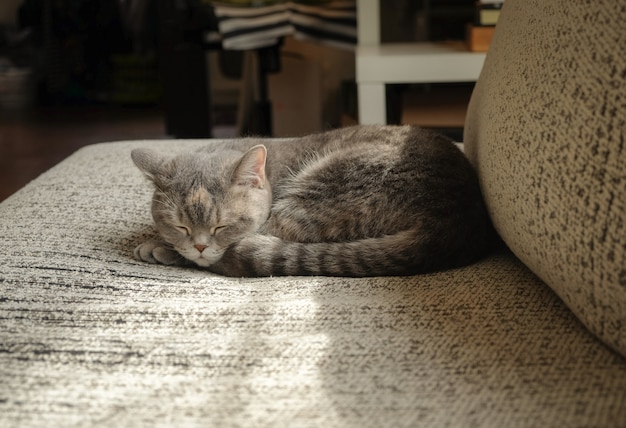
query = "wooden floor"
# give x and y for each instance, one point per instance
(33, 141)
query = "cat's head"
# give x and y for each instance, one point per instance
(204, 202)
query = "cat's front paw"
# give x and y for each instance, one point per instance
(153, 251)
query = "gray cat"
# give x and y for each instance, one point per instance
(360, 201)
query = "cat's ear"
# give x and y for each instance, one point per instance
(251, 168)
(148, 161)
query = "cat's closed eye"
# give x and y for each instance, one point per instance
(217, 229)
(184, 230)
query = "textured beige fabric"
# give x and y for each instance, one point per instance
(546, 129)
(91, 337)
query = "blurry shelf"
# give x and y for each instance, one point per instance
(425, 62)
(380, 64)
(437, 107)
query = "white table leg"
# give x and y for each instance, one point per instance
(372, 104)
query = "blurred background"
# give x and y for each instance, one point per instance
(77, 72)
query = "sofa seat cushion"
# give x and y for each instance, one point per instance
(91, 336)
(546, 129)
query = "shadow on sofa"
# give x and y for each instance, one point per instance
(533, 336)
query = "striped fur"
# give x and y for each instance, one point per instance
(361, 201)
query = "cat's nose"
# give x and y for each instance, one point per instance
(200, 247)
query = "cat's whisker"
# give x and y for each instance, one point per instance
(167, 203)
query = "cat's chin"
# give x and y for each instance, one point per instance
(203, 260)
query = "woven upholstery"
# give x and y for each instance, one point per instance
(90, 336)
(546, 129)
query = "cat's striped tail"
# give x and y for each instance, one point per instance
(403, 253)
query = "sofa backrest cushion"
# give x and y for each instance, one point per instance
(546, 129)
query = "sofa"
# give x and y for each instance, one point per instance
(533, 335)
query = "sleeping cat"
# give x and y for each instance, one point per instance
(359, 201)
